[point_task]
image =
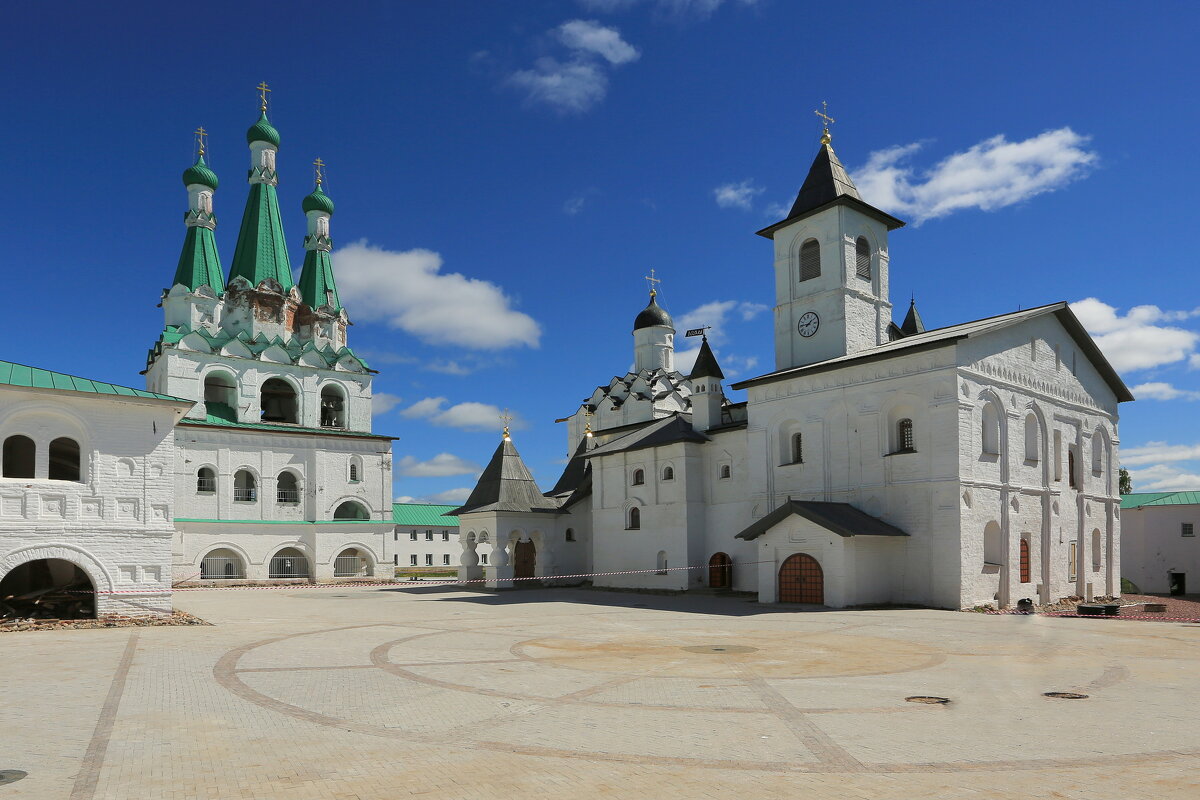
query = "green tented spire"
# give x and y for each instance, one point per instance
(261, 250)
(317, 287)
(199, 264)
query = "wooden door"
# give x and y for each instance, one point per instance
(524, 559)
(801, 580)
(720, 567)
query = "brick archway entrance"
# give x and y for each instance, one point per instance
(524, 559)
(720, 571)
(801, 580)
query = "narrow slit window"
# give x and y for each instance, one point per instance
(862, 253)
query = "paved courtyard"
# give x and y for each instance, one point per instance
(382, 693)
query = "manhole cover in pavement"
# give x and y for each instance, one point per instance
(11, 775)
(927, 700)
(720, 648)
(1065, 695)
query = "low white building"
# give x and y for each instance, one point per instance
(1159, 546)
(426, 538)
(877, 463)
(86, 491)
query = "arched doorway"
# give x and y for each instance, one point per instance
(47, 588)
(222, 564)
(801, 580)
(524, 559)
(352, 563)
(720, 571)
(289, 563)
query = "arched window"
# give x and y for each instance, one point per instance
(279, 401)
(724, 471)
(220, 396)
(991, 429)
(1097, 552)
(206, 480)
(1098, 448)
(64, 460)
(797, 448)
(351, 510)
(810, 260)
(668, 473)
(635, 519)
(20, 455)
(570, 535)
(222, 564)
(245, 487)
(1031, 438)
(1072, 481)
(904, 435)
(993, 550)
(287, 490)
(356, 470)
(662, 562)
(333, 408)
(862, 254)
(1025, 561)
(639, 477)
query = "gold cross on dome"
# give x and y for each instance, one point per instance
(506, 418)
(828, 120)
(262, 93)
(201, 139)
(650, 279)
(319, 170)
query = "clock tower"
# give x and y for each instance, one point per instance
(831, 268)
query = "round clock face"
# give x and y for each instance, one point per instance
(809, 322)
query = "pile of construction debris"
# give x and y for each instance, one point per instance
(106, 621)
(71, 602)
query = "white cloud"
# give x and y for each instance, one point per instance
(1194, 361)
(777, 210)
(1162, 478)
(442, 465)
(574, 205)
(405, 498)
(1159, 390)
(736, 195)
(450, 496)
(714, 314)
(469, 416)
(989, 175)
(1134, 341)
(678, 9)
(1155, 452)
(589, 36)
(449, 368)
(382, 402)
(408, 290)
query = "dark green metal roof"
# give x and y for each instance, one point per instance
(429, 515)
(12, 374)
(316, 278)
(1140, 499)
(261, 250)
(199, 263)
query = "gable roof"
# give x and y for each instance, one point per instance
(840, 518)
(20, 375)
(667, 430)
(943, 337)
(506, 485)
(427, 514)
(1141, 499)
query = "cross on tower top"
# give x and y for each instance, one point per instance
(506, 418)
(650, 279)
(201, 139)
(828, 120)
(319, 170)
(262, 94)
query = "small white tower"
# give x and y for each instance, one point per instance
(653, 337)
(708, 397)
(831, 268)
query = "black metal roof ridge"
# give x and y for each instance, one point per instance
(840, 518)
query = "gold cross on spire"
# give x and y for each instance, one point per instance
(319, 170)
(201, 139)
(587, 426)
(262, 94)
(824, 115)
(650, 279)
(506, 418)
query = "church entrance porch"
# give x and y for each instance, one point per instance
(720, 571)
(801, 580)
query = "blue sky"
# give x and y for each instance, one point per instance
(506, 173)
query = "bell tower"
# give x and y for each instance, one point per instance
(831, 267)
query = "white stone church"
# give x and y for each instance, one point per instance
(963, 466)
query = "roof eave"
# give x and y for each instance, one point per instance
(891, 222)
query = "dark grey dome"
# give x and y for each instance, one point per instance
(652, 315)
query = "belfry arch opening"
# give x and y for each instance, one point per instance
(220, 396)
(333, 408)
(47, 588)
(279, 402)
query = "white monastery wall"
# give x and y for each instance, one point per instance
(1153, 546)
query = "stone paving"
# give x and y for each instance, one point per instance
(433, 692)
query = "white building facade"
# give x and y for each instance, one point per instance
(277, 473)
(86, 492)
(1159, 547)
(966, 466)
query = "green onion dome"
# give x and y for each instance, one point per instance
(262, 131)
(317, 201)
(200, 173)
